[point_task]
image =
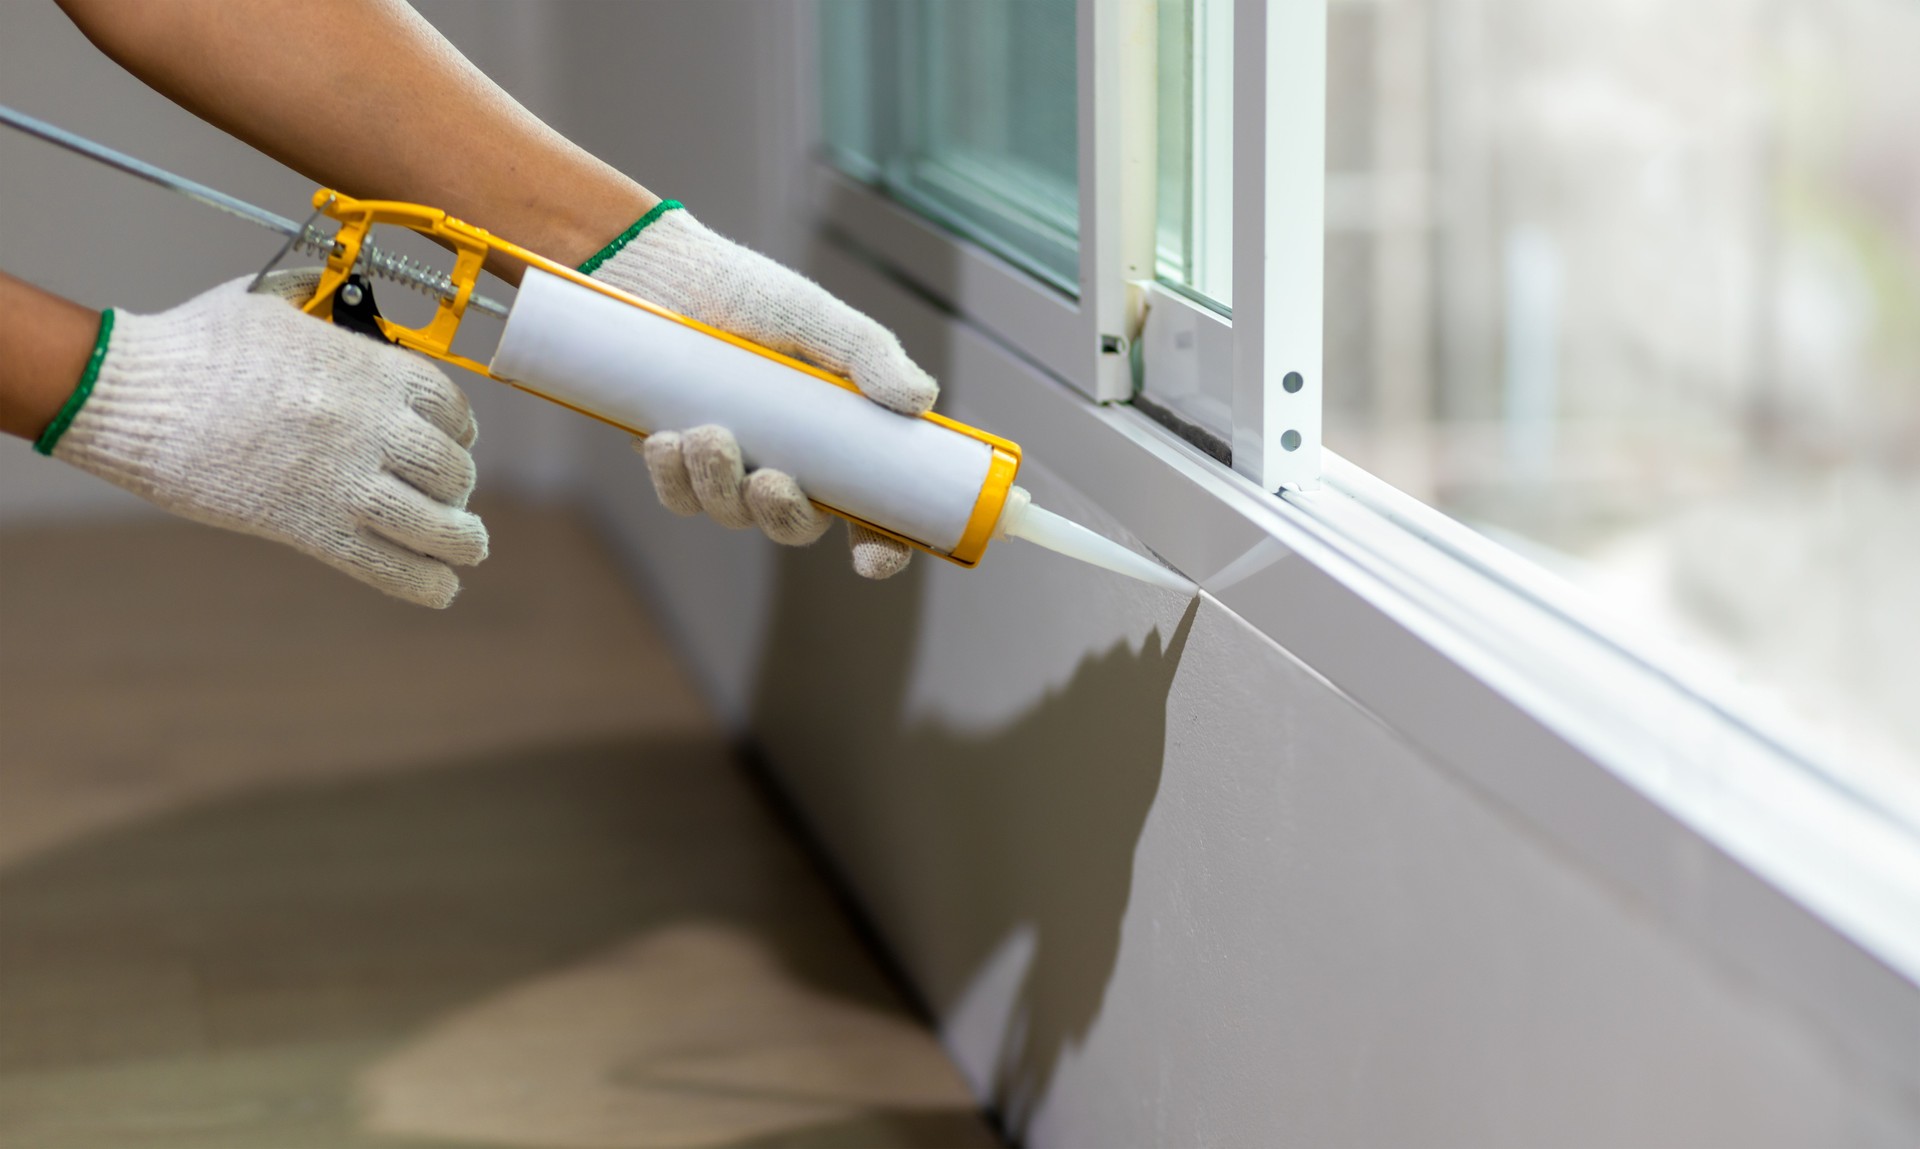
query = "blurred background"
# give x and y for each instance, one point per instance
(1635, 289)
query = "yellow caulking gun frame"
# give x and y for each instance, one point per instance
(471, 245)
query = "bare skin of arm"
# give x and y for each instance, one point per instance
(366, 97)
(44, 345)
(402, 115)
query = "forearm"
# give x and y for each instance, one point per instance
(364, 96)
(44, 345)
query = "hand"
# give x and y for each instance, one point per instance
(678, 263)
(238, 411)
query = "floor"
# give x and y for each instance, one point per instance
(286, 864)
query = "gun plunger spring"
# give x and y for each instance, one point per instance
(399, 269)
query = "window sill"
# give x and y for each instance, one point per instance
(1729, 841)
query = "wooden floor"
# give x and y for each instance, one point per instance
(286, 864)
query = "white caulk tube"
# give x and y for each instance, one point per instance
(942, 486)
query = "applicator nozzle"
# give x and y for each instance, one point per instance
(1022, 520)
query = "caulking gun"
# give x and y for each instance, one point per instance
(938, 485)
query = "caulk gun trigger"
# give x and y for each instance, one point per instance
(355, 309)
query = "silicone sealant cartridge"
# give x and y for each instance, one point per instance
(938, 485)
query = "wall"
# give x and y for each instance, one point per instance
(105, 239)
(1158, 879)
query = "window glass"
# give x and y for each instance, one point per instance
(967, 112)
(1194, 196)
(1635, 287)
(852, 74)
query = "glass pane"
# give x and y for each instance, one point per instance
(1195, 190)
(1636, 288)
(967, 111)
(850, 83)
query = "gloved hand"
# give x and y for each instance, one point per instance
(238, 411)
(671, 259)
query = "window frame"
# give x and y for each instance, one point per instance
(1202, 241)
(1086, 339)
(1279, 216)
(1279, 211)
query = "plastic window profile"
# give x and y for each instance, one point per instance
(1279, 226)
(1257, 378)
(1194, 70)
(1278, 199)
(1082, 338)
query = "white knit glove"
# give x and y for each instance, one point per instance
(238, 411)
(676, 262)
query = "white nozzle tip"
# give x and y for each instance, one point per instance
(1022, 520)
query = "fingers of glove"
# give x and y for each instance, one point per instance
(440, 401)
(719, 476)
(422, 454)
(432, 529)
(427, 387)
(816, 326)
(782, 511)
(667, 466)
(876, 556)
(776, 305)
(879, 366)
(400, 572)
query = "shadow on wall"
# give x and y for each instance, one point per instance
(1021, 839)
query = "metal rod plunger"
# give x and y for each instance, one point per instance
(308, 238)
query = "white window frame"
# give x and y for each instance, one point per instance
(1208, 242)
(1279, 212)
(1085, 340)
(1279, 219)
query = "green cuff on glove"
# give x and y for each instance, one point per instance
(63, 420)
(626, 237)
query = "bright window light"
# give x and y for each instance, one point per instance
(1635, 288)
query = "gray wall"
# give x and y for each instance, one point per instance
(107, 240)
(1160, 882)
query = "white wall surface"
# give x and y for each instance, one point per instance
(1161, 882)
(107, 240)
